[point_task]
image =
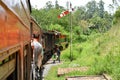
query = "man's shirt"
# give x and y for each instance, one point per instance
(37, 52)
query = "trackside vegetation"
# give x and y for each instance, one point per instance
(100, 53)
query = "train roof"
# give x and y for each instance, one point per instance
(52, 32)
(29, 4)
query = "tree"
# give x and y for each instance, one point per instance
(101, 8)
(49, 5)
(56, 4)
(116, 16)
(84, 17)
(91, 8)
(80, 14)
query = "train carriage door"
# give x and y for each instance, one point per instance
(27, 62)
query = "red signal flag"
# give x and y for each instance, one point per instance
(66, 12)
(63, 14)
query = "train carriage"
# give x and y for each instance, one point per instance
(49, 43)
(15, 52)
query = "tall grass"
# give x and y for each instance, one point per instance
(100, 52)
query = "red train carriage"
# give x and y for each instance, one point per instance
(15, 53)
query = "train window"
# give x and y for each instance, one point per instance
(1, 63)
(12, 56)
(6, 60)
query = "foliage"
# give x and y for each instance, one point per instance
(91, 8)
(58, 27)
(117, 13)
(100, 52)
(116, 16)
(101, 8)
(49, 5)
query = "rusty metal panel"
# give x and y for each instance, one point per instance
(3, 40)
(20, 9)
(14, 29)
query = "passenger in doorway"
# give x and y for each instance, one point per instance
(58, 54)
(37, 53)
(54, 57)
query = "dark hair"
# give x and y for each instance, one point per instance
(36, 35)
(42, 36)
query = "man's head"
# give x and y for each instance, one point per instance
(36, 36)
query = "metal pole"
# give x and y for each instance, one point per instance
(69, 6)
(71, 57)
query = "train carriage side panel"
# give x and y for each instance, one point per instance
(20, 9)
(14, 32)
(49, 41)
(3, 40)
(49, 38)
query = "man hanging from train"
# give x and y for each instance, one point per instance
(37, 55)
